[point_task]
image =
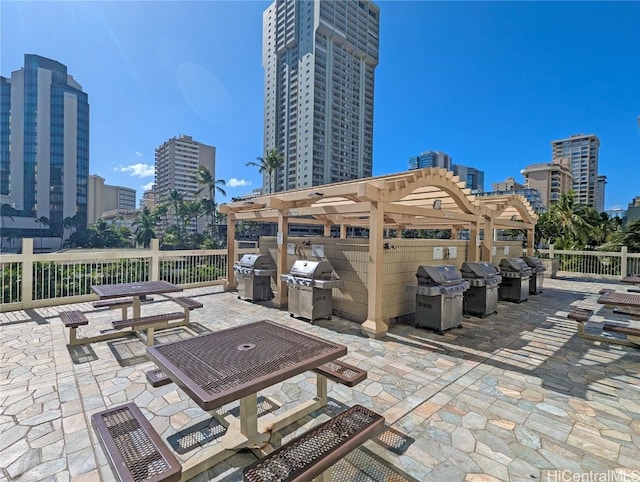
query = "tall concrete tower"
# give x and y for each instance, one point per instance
(319, 59)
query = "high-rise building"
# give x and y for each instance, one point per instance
(431, 159)
(633, 210)
(105, 198)
(149, 198)
(551, 180)
(319, 59)
(177, 162)
(579, 154)
(474, 178)
(509, 184)
(44, 148)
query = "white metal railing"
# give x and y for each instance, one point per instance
(607, 264)
(37, 280)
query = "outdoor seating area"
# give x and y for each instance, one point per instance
(516, 395)
(131, 295)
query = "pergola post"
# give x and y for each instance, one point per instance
(231, 283)
(281, 299)
(343, 231)
(374, 326)
(473, 241)
(487, 245)
(530, 241)
(327, 230)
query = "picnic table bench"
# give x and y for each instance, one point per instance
(341, 372)
(135, 451)
(313, 453)
(148, 324)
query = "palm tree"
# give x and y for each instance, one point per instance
(572, 219)
(270, 163)
(204, 177)
(175, 199)
(42, 221)
(6, 211)
(144, 227)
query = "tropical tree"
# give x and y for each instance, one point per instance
(270, 163)
(175, 202)
(631, 236)
(6, 211)
(213, 186)
(145, 227)
(574, 221)
(42, 221)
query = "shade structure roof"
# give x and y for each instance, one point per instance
(429, 198)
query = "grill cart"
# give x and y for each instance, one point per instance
(253, 273)
(537, 274)
(310, 284)
(439, 295)
(482, 296)
(515, 280)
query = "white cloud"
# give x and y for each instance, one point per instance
(138, 170)
(233, 182)
(148, 186)
(138, 153)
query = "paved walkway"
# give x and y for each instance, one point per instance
(515, 396)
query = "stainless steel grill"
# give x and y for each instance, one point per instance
(439, 295)
(310, 284)
(482, 296)
(253, 274)
(537, 274)
(515, 280)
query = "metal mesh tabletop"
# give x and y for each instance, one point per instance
(619, 299)
(220, 367)
(633, 279)
(134, 289)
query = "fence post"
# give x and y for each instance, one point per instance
(551, 253)
(154, 269)
(623, 262)
(27, 273)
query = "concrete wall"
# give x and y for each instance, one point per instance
(349, 258)
(506, 249)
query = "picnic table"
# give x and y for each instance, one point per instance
(624, 303)
(135, 293)
(619, 300)
(217, 368)
(633, 279)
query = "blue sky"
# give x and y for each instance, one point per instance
(490, 83)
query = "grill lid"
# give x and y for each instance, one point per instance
(535, 263)
(479, 269)
(442, 275)
(257, 261)
(304, 268)
(514, 265)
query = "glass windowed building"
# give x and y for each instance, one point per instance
(44, 153)
(474, 178)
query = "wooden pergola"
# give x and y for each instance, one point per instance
(429, 198)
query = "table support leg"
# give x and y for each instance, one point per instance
(324, 476)
(136, 307)
(249, 415)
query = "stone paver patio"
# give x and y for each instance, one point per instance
(515, 396)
